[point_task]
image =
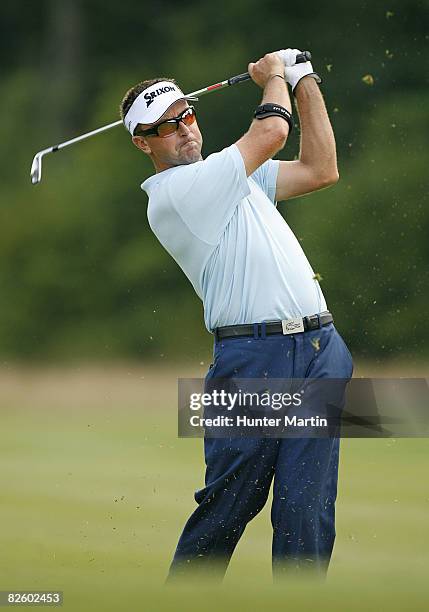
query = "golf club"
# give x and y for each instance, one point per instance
(36, 166)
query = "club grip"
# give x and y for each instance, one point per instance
(305, 56)
(237, 79)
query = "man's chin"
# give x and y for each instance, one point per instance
(190, 157)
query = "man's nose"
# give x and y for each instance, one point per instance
(183, 128)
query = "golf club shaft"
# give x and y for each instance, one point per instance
(36, 168)
(305, 56)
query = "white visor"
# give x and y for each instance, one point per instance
(151, 104)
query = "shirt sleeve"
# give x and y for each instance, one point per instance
(205, 194)
(266, 177)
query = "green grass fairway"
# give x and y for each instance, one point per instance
(96, 486)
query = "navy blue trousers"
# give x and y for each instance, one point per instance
(239, 471)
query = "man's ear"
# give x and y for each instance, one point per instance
(141, 143)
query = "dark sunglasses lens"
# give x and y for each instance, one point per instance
(189, 117)
(165, 129)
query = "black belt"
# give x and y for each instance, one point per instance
(285, 327)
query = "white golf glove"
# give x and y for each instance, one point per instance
(295, 72)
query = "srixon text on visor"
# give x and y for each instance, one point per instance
(149, 97)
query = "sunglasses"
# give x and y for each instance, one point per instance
(170, 126)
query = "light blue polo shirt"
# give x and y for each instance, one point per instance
(225, 232)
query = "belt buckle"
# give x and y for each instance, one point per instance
(292, 326)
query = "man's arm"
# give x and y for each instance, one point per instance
(316, 167)
(266, 137)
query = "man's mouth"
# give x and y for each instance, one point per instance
(189, 142)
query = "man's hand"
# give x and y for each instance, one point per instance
(288, 56)
(262, 70)
(295, 72)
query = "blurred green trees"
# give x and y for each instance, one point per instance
(82, 276)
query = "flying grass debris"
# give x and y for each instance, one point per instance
(368, 79)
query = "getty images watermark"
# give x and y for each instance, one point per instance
(222, 399)
(312, 408)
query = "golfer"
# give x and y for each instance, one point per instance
(218, 218)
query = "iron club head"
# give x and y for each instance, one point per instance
(36, 168)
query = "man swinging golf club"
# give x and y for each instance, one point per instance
(217, 218)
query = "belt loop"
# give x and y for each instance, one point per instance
(263, 330)
(318, 321)
(255, 330)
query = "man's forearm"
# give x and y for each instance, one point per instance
(276, 92)
(317, 145)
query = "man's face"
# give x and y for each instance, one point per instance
(181, 147)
